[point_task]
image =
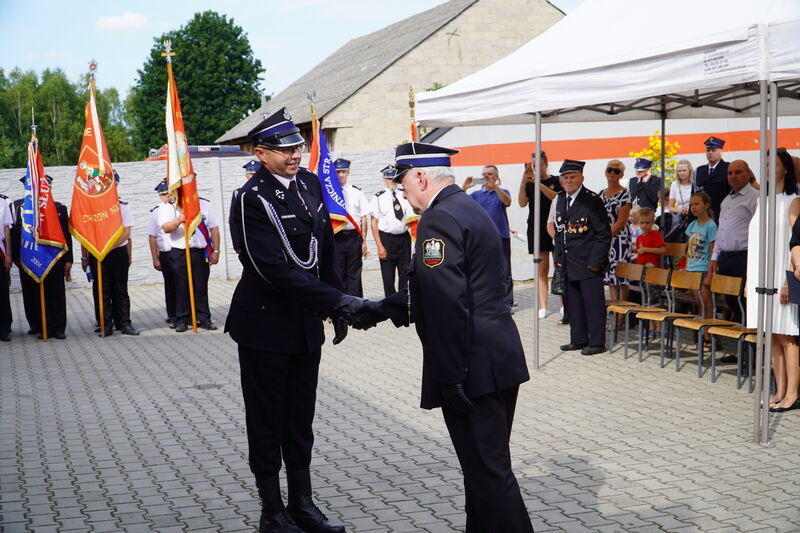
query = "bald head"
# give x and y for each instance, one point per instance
(739, 174)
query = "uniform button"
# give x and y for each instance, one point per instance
(263, 308)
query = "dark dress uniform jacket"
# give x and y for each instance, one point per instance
(715, 185)
(458, 303)
(583, 236)
(279, 306)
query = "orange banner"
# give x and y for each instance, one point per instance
(180, 173)
(95, 217)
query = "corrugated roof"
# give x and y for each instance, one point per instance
(351, 67)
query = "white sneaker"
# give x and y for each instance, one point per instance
(561, 311)
(542, 313)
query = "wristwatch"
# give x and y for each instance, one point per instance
(216, 251)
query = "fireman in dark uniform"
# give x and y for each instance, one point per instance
(583, 240)
(473, 361)
(712, 178)
(289, 285)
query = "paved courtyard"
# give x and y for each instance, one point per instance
(145, 434)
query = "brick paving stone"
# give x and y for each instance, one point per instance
(114, 435)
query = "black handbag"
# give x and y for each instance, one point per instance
(557, 284)
(678, 232)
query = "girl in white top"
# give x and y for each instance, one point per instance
(680, 192)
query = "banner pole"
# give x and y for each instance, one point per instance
(44, 313)
(100, 298)
(191, 283)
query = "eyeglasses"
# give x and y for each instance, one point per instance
(290, 150)
(612, 170)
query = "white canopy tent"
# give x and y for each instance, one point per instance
(648, 59)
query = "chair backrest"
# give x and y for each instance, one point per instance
(729, 285)
(682, 279)
(675, 249)
(657, 276)
(630, 271)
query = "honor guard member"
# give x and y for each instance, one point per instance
(172, 222)
(289, 284)
(159, 250)
(6, 221)
(389, 210)
(250, 169)
(712, 178)
(350, 246)
(55, 296)
(472, 356)
(582, 242)
(116, 264)
(209, 228)
(645, 188)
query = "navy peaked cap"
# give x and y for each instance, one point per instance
(714, 142)
(276, 131)
(642, 163)
(420, 155)
(341, 164)
(252, 165)
(570, 165)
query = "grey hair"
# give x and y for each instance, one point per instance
(439, 174)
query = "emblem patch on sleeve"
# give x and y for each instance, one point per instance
(433, 252)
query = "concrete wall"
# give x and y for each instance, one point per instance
(217, 178)
(377, 115)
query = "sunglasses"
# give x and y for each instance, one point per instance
(612, 170)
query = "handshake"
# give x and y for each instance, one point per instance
(359, 313)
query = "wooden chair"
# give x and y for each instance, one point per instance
(722, 286)
(653, 278)
(682, 280)
(673, 251)
(739, 333)
(630, 272)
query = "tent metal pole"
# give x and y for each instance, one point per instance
(536, 228)
(773, 148)
(762, 219)
(663, 192)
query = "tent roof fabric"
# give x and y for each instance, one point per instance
(606, 51)
(351, 67)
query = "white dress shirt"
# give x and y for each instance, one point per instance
(168, 213)
(127, 219)
(5, 220)
(734, 221)
(356, 204)
(382, 208)
(154, 230)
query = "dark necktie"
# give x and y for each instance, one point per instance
(569, 202)
(398, 209)
(293, 189)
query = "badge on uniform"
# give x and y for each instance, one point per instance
(279, 194)
(433, 252)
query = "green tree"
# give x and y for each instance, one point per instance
(217, 76)
(58, 114)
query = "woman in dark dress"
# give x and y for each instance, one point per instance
(548, 189)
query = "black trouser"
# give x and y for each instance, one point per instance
(735, 264)
(398, 258)
(5, 302)
(183, 310)
(169, 284)
(493, 499)
(585, 300)
(116, 302)
(508, 281)
(280, 391)
(55, 301)
(348, 259)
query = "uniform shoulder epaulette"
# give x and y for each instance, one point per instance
(592, 193)
(156, 207)
(206, 199)
(123, 202)
(380, 192)
(356, 187)
(303, 171)
(3, 196)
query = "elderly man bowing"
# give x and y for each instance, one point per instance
(473, 360)
(582, 242)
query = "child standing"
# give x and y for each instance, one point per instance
(649, 245)
(702, 233)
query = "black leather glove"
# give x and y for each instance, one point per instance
(455, 399)
(339, 329)
(347, 308)
(370, 314)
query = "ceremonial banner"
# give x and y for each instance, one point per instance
(412, 221)
(42, 239)
(320, 161)
(180, 173)
(95, 217)
(411, 104)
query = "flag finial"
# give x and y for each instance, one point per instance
(312, 96)
(92, 67)
(33, 122)
(168, 53)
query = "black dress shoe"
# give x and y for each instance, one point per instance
(795, 405)
(59, 336)
(172, 325)
(32, 332)
(108, 333)
(308, 516)
(572, 347)
(5, 337)
(180, 328)
(170, 320)
(97, 329)
(277, 522)
(208, 325)
(593, 350)
(127, 329)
